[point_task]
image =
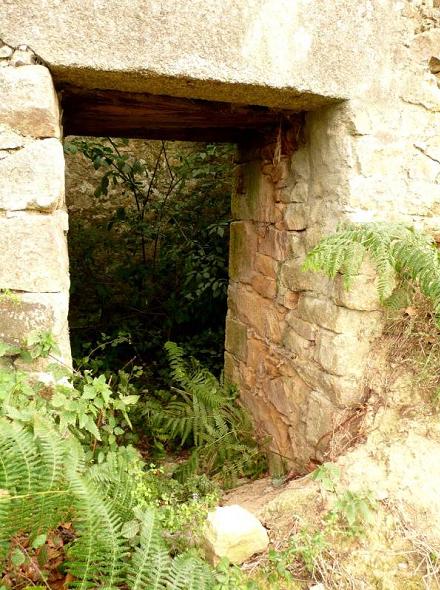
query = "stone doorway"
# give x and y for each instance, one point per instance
(365, 149)
(261, 238)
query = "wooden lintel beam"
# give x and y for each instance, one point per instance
(101, 113)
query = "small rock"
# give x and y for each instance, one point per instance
(317, 587)
(235, 533)
(23, 56)
(434, 65)
(5, 51)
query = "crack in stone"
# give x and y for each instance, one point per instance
(421, 150)
(417, 104)
(5, 152)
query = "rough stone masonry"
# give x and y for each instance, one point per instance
(34, 272)
(299, 345)
(366, 76)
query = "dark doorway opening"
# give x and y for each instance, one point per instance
(148, 246)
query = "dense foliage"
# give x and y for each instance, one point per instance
(81, 508)
(156, 244)
(45, 482)
(151, 265)
(202, 413)
(63, 469)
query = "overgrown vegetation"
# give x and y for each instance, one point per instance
(202, 412)
(76, 476)
(45, 482)
(408, 266)
(156, 246)
(79, 505)
(70, 487)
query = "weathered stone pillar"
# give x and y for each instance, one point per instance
(270, 334)
(33, 221)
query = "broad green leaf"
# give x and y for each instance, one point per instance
(39, 541)
(58, 400)
(91, 427)
(89, 392)
(18, 557)
(26, 356)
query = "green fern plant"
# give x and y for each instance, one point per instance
(44, 481)
(204, 414)
(405, 259)
(48, 477)
(31, 466)
(151, 566)
(99, 549)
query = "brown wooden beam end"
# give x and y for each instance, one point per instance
(102, 113)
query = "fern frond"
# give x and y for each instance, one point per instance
(45, 479)
(115, 483)
(150, 564)
(189, 573)
(98, 551)
(175, 359)
(400, 298)
(20, 469)
(189, 467)
(48, 508)
(20, 466)
(400, 254)
(205, 413)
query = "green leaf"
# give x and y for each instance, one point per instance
(58, 400)
(26, 356)
(89, 392)
(8, 350)
(39, 541)
(129, 400)
(18, 557)
(91, 427)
